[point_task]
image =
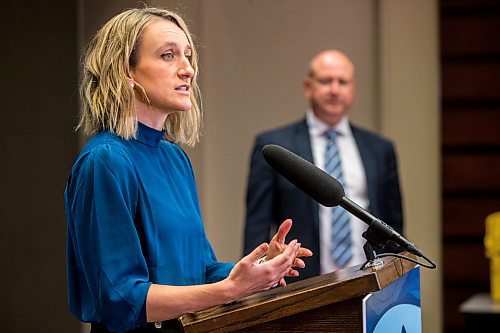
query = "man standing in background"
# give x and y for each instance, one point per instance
(364, 162)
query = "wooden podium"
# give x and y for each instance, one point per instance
(326, 303)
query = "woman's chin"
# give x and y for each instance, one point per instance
(184, 108)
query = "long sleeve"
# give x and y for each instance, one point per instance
(133, 220)
(215, 270)
(101, 202)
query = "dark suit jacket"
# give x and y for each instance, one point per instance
(271, 198)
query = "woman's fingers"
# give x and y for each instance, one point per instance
(286, 259)
(283, 231)
(257, 253)
(304, 252)
(299, 263)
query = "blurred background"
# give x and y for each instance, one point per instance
(427, 77)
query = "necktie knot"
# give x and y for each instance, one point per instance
(331, 135)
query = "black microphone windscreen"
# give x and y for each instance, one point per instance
(322, 187)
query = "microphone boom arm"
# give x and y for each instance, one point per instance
(378, 233)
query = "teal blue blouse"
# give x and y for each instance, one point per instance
(133, 219)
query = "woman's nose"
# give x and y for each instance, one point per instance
(186, 68)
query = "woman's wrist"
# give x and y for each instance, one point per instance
(229, 290)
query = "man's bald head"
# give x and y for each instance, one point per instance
(330, 57)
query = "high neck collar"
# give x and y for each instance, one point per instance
(149, 136)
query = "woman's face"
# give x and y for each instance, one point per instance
(163, 69)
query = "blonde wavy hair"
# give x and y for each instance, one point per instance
(106, 96)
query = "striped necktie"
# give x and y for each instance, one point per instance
(341, 243)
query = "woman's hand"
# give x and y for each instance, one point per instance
(248, 277)
(277, 246)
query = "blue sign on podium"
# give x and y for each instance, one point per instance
(396, 308)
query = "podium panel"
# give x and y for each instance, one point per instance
(396, 308)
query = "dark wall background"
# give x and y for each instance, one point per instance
(38, 101)
(470, 69)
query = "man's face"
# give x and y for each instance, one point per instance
(330, 86)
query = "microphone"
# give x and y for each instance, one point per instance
(329, 192)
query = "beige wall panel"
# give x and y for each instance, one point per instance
(410, 115)
(254, 58)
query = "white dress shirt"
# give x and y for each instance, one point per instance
(355, 187)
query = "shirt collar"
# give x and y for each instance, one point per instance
(317, 127)
(149, 136)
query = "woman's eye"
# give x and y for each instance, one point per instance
(167, 55)
(189, 57)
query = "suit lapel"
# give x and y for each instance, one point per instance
(302, 147)
(368, 163)
(302, 141)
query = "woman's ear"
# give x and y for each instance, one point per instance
(130, 78)
(131, 82)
